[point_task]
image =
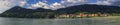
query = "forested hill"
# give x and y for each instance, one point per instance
(18, 9)
(27, 13)
(90, 9)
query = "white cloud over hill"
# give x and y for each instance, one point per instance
(56, 5)
(7, 4)
(38, 5)
(73, 2)
(108, 2)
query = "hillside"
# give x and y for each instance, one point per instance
(26, 13)
(90, 9)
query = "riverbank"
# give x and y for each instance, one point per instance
(62, 18)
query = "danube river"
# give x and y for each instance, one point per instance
(76, 21)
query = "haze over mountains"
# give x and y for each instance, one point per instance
(43, 13)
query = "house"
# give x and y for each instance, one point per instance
(104, 15)
(72, 15)
(80, 15)
(83, 15)
(93, 15)
(63, 15)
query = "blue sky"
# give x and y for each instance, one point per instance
(48, 1)
(92, 1)
(53, 1)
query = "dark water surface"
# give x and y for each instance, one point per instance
(78, 21)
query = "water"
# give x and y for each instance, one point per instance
(77, 21)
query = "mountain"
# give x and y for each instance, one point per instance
(20, 12)
(90, 8)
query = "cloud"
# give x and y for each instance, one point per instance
(73, 2)
(108, 2)
(103, 3)
(67, 3)
(39, 5)
(7, 4)
(22, 3)
(46, 6)
(114, 2)
(56, 5)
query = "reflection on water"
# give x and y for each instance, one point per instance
(77, 21)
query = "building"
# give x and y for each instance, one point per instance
(81, 15)
(93, 15)
(62, 15)
(103, 15)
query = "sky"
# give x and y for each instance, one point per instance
(52, 4)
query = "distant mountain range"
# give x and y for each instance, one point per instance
(47, 13)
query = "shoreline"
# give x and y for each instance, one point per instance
(60, 18)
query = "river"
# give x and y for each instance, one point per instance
(76, 21)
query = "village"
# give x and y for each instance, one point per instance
(81, 15)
